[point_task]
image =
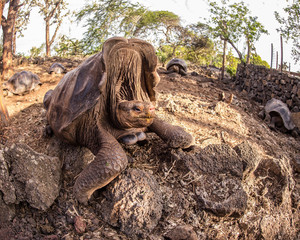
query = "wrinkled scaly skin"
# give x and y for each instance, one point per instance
(108, 99)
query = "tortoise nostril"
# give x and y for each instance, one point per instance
(151, 108)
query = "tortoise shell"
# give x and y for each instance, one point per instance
(22, 82)
(80, 89)
(178, 62)
(57, 68)
(280, 108)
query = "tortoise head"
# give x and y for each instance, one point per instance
(135, 114)
(130, 67)
(10, 85)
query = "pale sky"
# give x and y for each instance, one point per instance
(192, 12)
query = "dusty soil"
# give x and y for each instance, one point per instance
(191, 102)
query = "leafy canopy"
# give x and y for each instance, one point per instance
(106, 18)
(231, 22)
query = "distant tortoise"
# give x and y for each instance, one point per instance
(22, 82)
(279, 114)
(110, 97)
(177, 65)
(57, 68)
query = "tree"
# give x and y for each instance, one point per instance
(290, 27)
(157, 22)
(105, 18)
(53, 11)
(160, 28)
(8, 24)
(252, 32)
(68, 47)
(37, 51)
(190, 43)
(199, 48)
(3, 110)
(231, 22)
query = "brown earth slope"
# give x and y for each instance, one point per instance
(193, 103)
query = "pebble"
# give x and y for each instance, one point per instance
(79, 225)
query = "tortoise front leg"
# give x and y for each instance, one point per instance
(174, 136)
(109, 162)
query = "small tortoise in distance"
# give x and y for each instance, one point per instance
(22, 82)
(57, 68)
(110, 97)
(279, 115)
(177, 65)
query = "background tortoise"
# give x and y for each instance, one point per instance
(22, 83)
(57, 68)
(109, 97)
(279, 114)
(178, 66)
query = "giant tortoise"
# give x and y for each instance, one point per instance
(110, 97)
(279, 114)
(57, 68)
(177, 65)
(22, 82)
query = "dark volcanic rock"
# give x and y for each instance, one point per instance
(214, 159)
(248, 155)
(271, 180)
(218, 172)
(6, 185)
(133, 203)
(184, 232)
(36, 177)
(6, 232)
(7, 211)
(221, 194)
(7, 192)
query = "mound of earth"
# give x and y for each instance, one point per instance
(240, 181)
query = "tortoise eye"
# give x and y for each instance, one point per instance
(137, 109)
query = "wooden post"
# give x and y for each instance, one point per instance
(271, 55)
(281, 46)
(276, 60)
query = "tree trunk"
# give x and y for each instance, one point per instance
(237, 51)
(174, 51)
(249, 52)
(14, 42)
(47, 38)
(8, 26)
(3, 111)
(224, 60)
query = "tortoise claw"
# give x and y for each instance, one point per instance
(179, 138)
(141, 136)
(174, 136)
(132, 138)
(128, 139)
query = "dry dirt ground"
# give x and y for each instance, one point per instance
(191, 102)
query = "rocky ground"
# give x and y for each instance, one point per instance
(240, 181)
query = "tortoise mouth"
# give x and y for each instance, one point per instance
(146, 117)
